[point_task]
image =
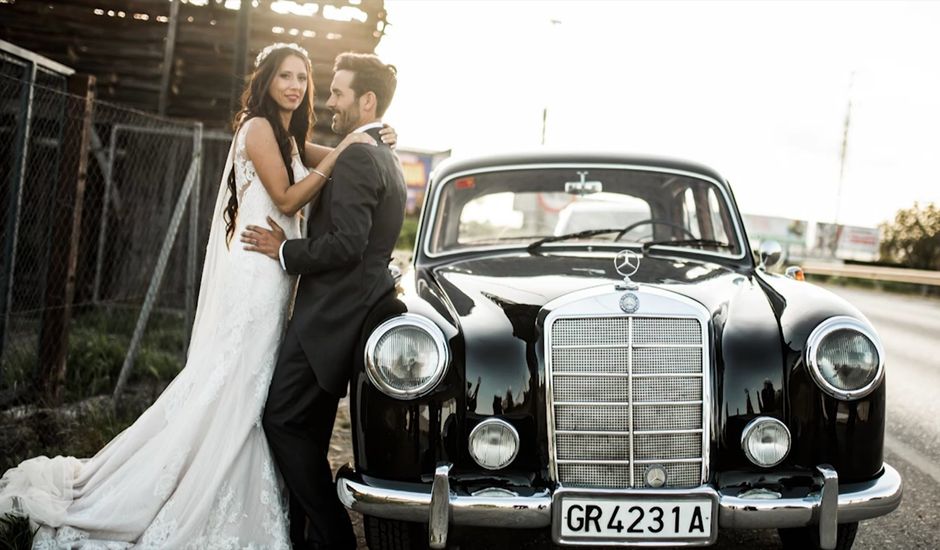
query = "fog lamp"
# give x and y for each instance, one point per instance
(766, 441)
(494, 443)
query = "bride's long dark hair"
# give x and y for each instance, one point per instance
(256, 102)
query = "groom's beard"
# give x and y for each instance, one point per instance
(345, 121)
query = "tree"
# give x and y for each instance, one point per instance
(913, 239)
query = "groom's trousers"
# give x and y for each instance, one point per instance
(298, 422)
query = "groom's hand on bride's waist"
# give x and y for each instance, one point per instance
(263, 240)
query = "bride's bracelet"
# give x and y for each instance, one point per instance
(321, 174)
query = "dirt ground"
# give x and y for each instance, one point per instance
(341, 453)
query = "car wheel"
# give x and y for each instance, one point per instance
(808, 537)
(389, 534)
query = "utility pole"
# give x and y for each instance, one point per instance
(845, 147)
(554, 23)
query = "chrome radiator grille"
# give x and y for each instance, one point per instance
(626, 393)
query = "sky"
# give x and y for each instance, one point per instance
(757, 90)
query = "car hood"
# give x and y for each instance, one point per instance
(534, 280)
(491, 298)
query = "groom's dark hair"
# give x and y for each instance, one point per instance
(371, 75)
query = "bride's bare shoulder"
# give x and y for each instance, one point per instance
(257, 128)
(259, 137)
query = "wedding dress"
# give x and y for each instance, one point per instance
(194, 471)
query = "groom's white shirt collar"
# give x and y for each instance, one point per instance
(369, 126)
(363, 128)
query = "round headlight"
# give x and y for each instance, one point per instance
(494, 444)
(406, 356)
(845, 358)
(766, 441)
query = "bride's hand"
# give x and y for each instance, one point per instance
(389, 136)
(355, 137)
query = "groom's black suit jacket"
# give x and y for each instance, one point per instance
(343, 262)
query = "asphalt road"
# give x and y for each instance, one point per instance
(909, 327)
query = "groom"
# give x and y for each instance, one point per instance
(343, 264)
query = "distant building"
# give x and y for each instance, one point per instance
(417, 165)
(801, 239)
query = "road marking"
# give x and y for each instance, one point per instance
(914, 457)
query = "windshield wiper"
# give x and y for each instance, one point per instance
(687, 242)
(576, 235)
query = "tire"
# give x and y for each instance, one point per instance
(808, 537)
(390, 534)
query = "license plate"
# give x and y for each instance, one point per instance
(656, 518)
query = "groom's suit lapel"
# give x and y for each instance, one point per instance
(320, 221)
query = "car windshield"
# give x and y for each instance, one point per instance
(523, 207)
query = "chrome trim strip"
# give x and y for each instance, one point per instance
(827, 327)
(630, 399)
(591, 403)
(637, 461)
(571, 461)
(624, 403)
(411, 502)
(621, 432)
(671, 375)
(668, 432)
(432, 214)
(669, 461)
(624, 346)
(627, 375)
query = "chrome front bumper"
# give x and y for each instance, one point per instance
(439, 507)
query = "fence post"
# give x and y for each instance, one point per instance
(65, 227)
(168, 240)
(12, 222)
(193, 252)
(105, 208)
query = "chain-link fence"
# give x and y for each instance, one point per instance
(105, 217)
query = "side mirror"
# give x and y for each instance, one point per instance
(769, 253)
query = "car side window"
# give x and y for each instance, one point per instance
(691, 214)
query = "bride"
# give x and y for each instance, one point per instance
(195, 471)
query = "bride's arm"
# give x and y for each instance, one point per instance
(263, 151)
(314, 154)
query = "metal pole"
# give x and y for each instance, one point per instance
(12, 225)
(151, 298)
(843, 152)
(193, 257)
(105, 206)
(168, 53)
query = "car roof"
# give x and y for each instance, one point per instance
(470, 164)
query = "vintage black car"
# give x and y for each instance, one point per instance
(587, 344)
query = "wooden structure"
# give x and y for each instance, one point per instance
(177, 57)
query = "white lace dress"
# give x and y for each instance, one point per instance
(194, 471)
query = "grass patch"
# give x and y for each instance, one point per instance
(98, 343)
(79, 429)
(408, 234)
(15, 533)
